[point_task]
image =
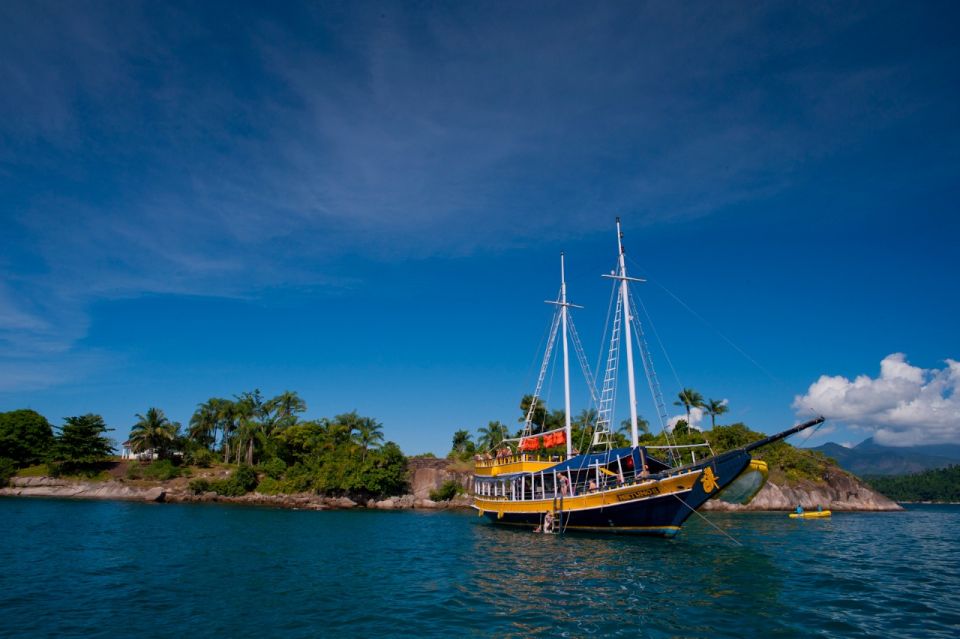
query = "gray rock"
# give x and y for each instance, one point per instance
(155, 494)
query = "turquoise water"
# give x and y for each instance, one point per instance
(87, 569)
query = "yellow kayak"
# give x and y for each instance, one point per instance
(813, 514)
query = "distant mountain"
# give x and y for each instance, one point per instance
(870, 458)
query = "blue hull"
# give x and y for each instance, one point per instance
(661, 516)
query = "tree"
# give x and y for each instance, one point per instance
(724, 438)
(209, 417)
(643, 429)
(689, 398)
(155, 432)
(462, 446)
(367, 433)
(25, 436)
(489, 436)
(248, 414)
(715, 408)
(81, 442)
(541, 419)
(282, 410)
(586, 417)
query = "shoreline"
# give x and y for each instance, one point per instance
(171, 492)
(50, 487)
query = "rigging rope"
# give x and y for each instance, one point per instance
(706, 323)
(703, 517)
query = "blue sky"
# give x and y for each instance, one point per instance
(366, 202)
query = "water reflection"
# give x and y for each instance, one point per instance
(612, 585)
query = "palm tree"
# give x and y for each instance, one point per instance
(283, 409)
(153, 431)
(489, 436)
(643, 427)
(247, 416)
(226, 411)
(689, 398)
(461, 442)
(205, 422)
(714, 408)
(368, 433)
(586, 417)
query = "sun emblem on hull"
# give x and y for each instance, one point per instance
(708, 480)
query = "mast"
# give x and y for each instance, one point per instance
(564, 306)
(625, 295)
(566, 361)
(625, 302)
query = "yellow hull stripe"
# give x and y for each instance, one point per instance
(603, 528)
(616, 496)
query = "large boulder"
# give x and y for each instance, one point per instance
(428, 474)
(838, 491)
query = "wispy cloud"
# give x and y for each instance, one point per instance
(175, 149)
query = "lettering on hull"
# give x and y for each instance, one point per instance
(637, 494)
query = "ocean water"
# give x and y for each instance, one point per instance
(108, 569)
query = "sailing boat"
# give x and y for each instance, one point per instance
(623, 489)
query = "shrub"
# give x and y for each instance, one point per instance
(199, 486)
(201, 457)
(273, 468)
(447, 491)
(245, 477)
(161, 470)
(241, 482)
(7, 470)
(269, 486)
(299, 479)
(135, 471)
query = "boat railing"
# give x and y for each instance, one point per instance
(684, 447)
(481, 461)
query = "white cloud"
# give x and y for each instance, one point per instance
(696, 416)
(906, 405)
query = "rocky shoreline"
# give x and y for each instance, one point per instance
(842, 492)
(169, 493)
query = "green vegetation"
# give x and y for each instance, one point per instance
(689, 398)
(447, 491)
(161, 470)
(264, 438)
(154, 432)
(940, 484)
(241, 482)
(25, 437)
(199, 486)
(463, 447)
(346, 455)
(7, 470)
(80, 447)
